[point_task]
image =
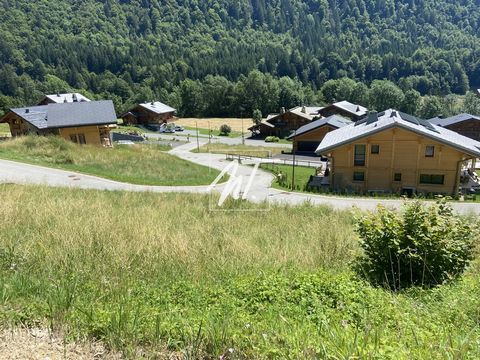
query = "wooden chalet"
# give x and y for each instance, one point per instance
(62, 98)
(464, 124)
(345, 109)
(394, 152)
(307, 138)
(86, 122)
(153, 112)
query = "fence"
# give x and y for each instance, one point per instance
(305, 163)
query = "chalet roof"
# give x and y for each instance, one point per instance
(264, 122)
(375, 123)
(306, 112)
(157, 107)
(66, 98)
(453, 119)
(334, 121)
(68, 114)
(353, 109)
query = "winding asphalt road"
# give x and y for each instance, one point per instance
(260, 190)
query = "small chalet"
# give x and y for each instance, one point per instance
(86, 122)
(308, 137)
(346, 109)
(464, 124)
(285, 122)
(62, 98)
(153, 112)
(397, 153)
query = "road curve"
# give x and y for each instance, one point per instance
(260, 191)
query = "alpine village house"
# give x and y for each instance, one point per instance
(80, 121)
(153, 112)
(394, 152)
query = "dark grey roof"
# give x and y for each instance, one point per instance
(453, 119)
(69, 114)
(334, 121)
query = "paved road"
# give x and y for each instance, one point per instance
(13, 172)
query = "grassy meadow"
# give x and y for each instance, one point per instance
(302, 175)
(247, 150)
(159, 275)
(137, 164)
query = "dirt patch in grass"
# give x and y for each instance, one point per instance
(215, 123)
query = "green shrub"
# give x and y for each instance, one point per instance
(423, 246)
(272, 139)
(225, 130)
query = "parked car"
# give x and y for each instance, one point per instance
(168, 130)
(179, 128)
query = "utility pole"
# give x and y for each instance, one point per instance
(198, 142)
(241, 116)
(293, 167)
(209, 133)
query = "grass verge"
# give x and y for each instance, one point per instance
(214, 132)
(247, 150)
(302, 176)
(139, 164)
(160, 271)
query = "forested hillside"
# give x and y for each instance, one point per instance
(197, 55)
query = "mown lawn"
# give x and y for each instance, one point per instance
(246, 150)
(159, 274)
(216, 132)
(139, 164)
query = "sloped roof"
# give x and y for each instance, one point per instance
(353, 109)
(157, 107)
(373, 124)
(334, 121)
(453, 119)
(68, 114)
(66, 98)
(263, 122)
(307, 112)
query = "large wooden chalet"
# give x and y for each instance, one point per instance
(397, 153)
(345, 109)
(153, 112)
(86, 122)
(62, 98)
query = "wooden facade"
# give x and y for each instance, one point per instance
(287, 122)
(141, 115)
(309, 141)
(396, 161)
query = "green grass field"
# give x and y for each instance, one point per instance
(216, 132)
(138, 164)
(247, 150)
(302, 175)
(4, 130)
(160, 275)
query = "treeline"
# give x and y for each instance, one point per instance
(145, 49)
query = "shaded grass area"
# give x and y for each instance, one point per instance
(275, 285)
(284, 174)
(246, 150)
(4, 130)
(139, 164)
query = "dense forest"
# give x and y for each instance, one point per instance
(225, 57)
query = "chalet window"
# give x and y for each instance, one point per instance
(358, 176)
(81, 139)
(429, 151)
(73, 138)
(397, 177)
(359, 159)
(375, 149)
(432, 179)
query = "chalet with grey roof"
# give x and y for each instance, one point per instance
(63, 98)
(307, 138)
(464, 124)
(153, 112)
(393, 152)
(345, 109)
(86, 122)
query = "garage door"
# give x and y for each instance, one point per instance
(307, 146)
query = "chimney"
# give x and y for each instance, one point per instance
(372, 117)
(282, 110)
(393, 113)
(27, 111)
(152, 103)
(58, 94)
(358, 109)
(74, 98)
(304, 109)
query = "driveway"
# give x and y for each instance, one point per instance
(260, 191)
